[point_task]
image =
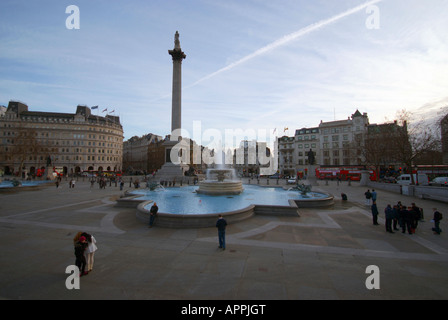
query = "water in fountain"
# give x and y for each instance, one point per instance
(220, 181)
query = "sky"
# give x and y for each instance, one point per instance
(268, 67)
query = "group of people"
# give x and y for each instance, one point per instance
(85, 247)
(406, 217)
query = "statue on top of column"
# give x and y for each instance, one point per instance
(176, 41)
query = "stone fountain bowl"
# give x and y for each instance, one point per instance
(219, 188)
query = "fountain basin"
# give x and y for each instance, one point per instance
(219, 188)
(7, 186)
(220, 182)
(183, 207)
(185, 221)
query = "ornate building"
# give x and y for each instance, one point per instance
(70, 143)
(333, 143)
(144, 154)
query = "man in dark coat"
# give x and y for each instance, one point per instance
(221, 224)
(375, 213)
(80, 261)
(407, 218)
(437, 217)
(389, 214)
(152, 214)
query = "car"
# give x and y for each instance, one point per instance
(389, 180)
(406, 179)
(292, 181)
(439, 181)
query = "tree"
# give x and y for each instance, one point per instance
(24, 145)
(377, 150)
(416, 139)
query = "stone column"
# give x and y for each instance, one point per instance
(172, 171)
(178, 55)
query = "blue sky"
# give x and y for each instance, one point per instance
(240, 71)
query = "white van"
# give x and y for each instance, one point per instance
(405, 179)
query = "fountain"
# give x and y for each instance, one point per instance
(220, 181)
(304, 189)
(221, 193)
(154, 186)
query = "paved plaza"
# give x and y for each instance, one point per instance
(323, 254)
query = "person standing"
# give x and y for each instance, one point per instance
(396, 217)
(374, 195)
(407, 220)
(416, 214)
(80, 262)
(375, 214)
(389, 214)
(90, 250)
(221, 224)
(437, 217)
(152, 214)
(368, 197)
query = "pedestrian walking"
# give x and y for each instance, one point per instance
(221, 224)
(152, 214)
(437, 217)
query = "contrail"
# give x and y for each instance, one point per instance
(288, 38)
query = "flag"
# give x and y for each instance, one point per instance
(285, 129)
(112, 111)
(274, 130)
(94, 107)
(105, 110)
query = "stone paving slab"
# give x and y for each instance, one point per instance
(323, 254)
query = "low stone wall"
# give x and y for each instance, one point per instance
(25, 188)
(423, 192)
(185, 221)
(129, 201)
(432, 193)
(391, 187)
(266, 210)
(315, 203)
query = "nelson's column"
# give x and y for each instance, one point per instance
(170, 170)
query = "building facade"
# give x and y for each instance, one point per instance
(69, 143)
(143, 154)
(247, 159)
(334, 143)
(342, 142)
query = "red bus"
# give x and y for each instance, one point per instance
(344, 173)
(433, 171)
